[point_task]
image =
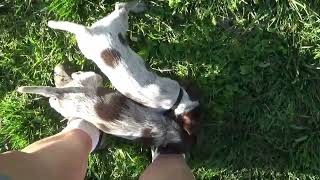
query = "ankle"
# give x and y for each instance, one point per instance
(85, 127)
(79, 136)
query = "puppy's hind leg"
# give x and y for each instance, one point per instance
(125, 8)
(61, 77)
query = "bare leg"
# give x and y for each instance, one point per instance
(62, 156)
(170, 166)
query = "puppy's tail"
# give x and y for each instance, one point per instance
(49, 91)
(68, 26)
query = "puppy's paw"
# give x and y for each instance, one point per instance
(51, 24)
(140, 7)
(61, 77)
(87, 79)
(132, 6)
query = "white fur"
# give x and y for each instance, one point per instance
(130, 76)
(77, 98)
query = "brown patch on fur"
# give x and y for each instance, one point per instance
(122, 39)
(146, 132)
(111, 110)
(101, 91)
(147, 138)
(111, 57)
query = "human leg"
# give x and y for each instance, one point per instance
(62, 156)
(168, 166)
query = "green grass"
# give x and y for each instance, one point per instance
(257, 63)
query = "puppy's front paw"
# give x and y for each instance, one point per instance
(140, 7)
(132, 6)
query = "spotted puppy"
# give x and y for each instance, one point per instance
(81, 95)
(104, 43)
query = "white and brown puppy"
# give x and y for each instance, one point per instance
(81, 95)
(104, 43)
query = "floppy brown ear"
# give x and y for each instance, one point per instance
(191, 120)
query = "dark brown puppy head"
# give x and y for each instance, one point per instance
(190, 121)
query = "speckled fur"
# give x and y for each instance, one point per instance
(79, 95)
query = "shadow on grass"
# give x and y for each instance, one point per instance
(260, 97)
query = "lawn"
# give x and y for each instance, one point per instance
(257, 63)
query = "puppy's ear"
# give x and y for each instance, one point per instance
(191, 120)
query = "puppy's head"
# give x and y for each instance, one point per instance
(190, 120)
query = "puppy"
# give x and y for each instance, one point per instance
(81, 95)
(104, 43)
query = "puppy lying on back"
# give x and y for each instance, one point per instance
(104, 43)
(83, 96)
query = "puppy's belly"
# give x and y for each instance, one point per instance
(130, 77)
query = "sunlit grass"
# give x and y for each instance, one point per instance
(257, 63)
